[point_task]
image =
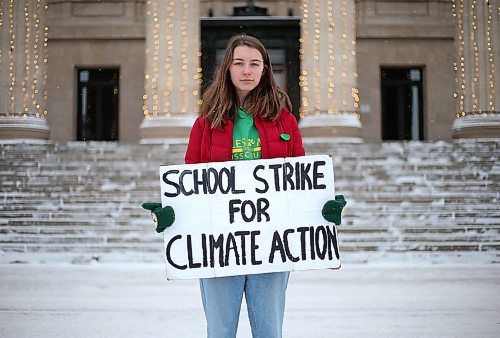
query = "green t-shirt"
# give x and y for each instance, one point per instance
(246, 139)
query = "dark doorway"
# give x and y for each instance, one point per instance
(279, 35)
(97, 104)
(402, 103)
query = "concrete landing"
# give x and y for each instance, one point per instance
(135, 300)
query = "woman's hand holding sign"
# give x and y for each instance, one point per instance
(163, 217)
(332, 210)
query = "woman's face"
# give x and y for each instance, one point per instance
(246, 70)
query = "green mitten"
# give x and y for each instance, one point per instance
(163, 217)
(332, 210)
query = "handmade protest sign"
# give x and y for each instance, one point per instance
(248, 217)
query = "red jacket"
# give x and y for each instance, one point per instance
(216, 145)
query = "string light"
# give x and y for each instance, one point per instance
(36, 73)
(473, 36)
(460, 66)
(45, 57)
(303, 78)
(12, 41)
(331, 56)
(184, 60)
(316, 59)
(25, 58)
(343, 52)
(172, 74)
(491, 59)
(169, 58)
(1, 30)
(475, 66)
(156, 54)
(147, 67)
(353, 58)
(327, 53)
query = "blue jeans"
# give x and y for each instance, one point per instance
(265, 298)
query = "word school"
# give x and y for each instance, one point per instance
(301, 176)
(246, 217)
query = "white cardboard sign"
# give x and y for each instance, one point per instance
(249, 217)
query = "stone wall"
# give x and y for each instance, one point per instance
(86, 34)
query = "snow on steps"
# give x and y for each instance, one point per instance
(84, 198)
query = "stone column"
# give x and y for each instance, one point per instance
(328, 81)
(23, 65)
(477, 68)
(173, 73)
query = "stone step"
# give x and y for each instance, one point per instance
(34, 211)
(108, 190)
(78, 248)
(133, 239)
(146, 178)
(84, 197)
(381, 222)
(158, 247)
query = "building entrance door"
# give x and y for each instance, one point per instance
(402, 103)
(280, 36)
(97, 104)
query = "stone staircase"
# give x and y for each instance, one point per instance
(80, 202)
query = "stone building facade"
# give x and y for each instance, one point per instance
(364, 70)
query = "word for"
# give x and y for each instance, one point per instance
(249, 210)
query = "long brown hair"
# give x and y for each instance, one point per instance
(220, 100)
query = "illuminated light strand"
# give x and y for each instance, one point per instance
(37, 95)
(1, 30)
(343, 59)
(353, 56)
(36, 80)
(27, 59)
(24, 57)
(475, 67)
(198, 77)
(193, 61)
(145, 97)
(304, 82)
(475, 79)
(172, 75)
(156, 50)
(491, 60)
(12, 79)
(36, 55)
(184, 58)
(463, 84)
(460, 73)
(169, 57)
(45, 57)
(331, 55)
(328, 76)
(316, 58)
(455, 63)
(150, 87)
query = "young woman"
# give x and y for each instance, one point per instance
(244, 116)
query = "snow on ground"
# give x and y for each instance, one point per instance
(359, 300)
